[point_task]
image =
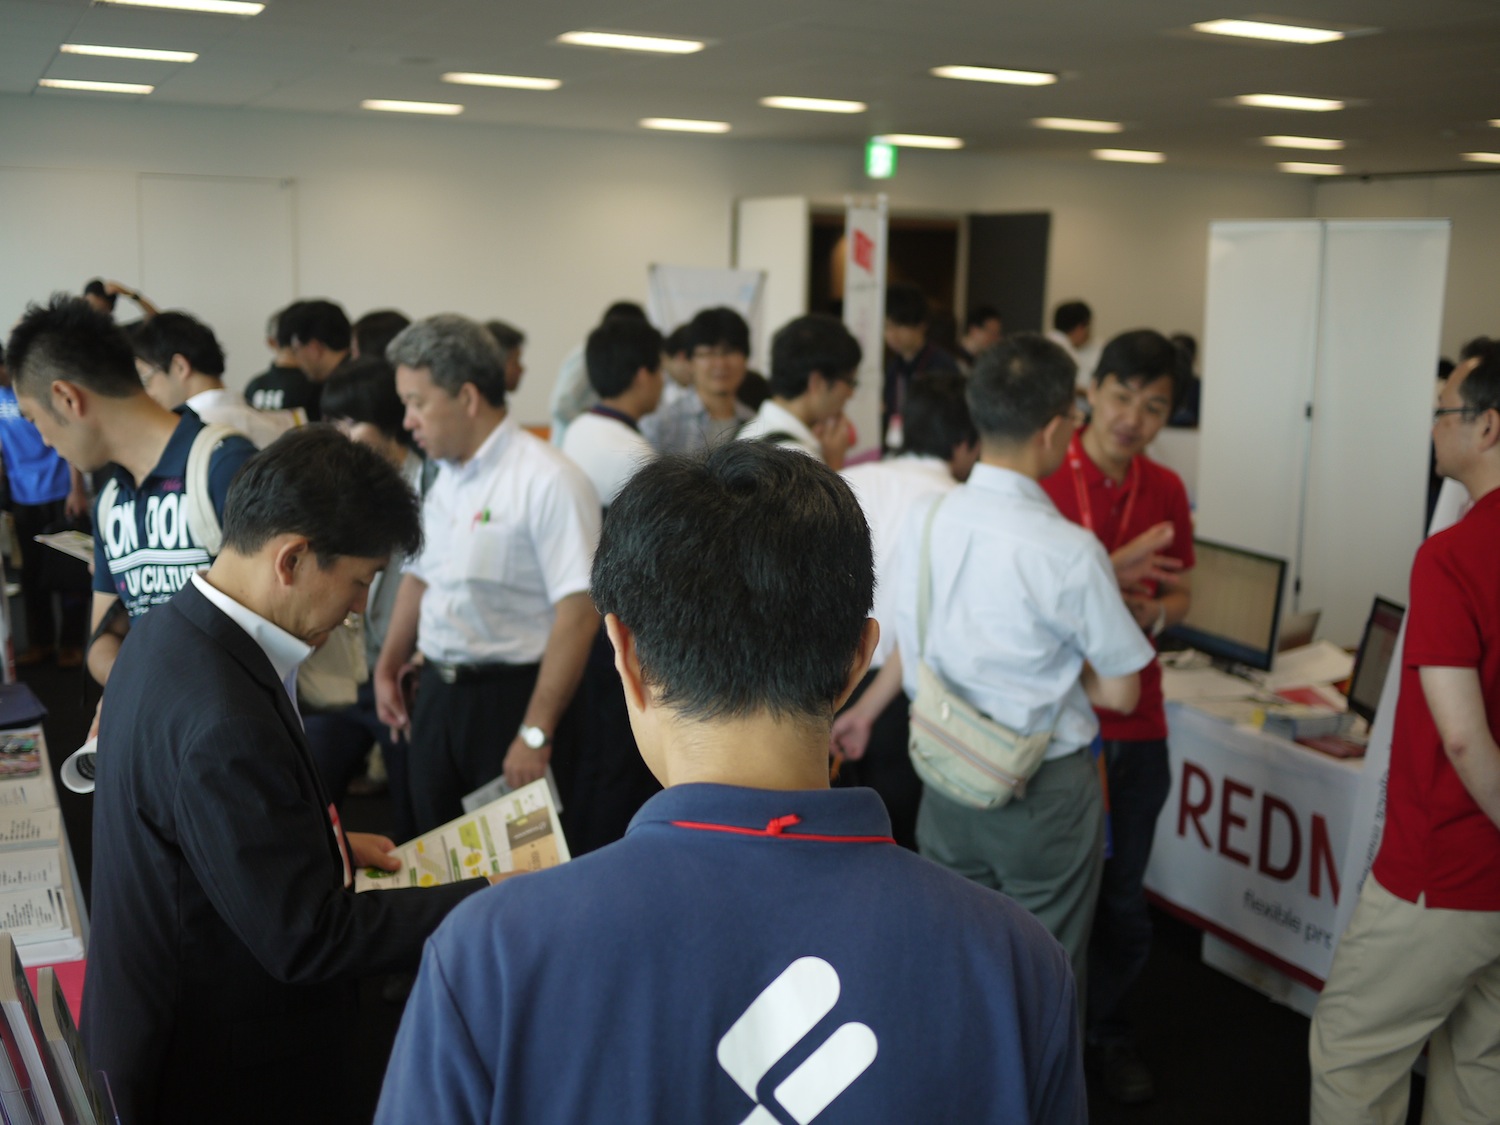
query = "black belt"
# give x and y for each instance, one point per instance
(469, 673)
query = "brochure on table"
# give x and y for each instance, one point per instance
(36, 900)
(517, 832)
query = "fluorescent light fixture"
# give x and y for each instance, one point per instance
(1303, 169)
(1276, 32)
(1495, 121)
(95, 87)
(1483, 157)
(504, 81)
(920, 140)
(617, 42)
(386, 105)
(128, 53)
(1078, 125)
(1322, 144)
(1289, 101)
(217, 7)
(815, 105)
(684, 125)
(1129, 155)
(995, 74)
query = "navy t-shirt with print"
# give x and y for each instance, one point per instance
(144, 551)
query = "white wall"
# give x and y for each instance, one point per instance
(545, 227)
(1472, 201)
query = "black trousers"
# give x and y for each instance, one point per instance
(340, 742)
(886, 766)
(45, 571)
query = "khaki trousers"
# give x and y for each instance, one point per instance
(1405, 975)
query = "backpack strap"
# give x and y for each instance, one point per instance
(202, 518)
(924, 578)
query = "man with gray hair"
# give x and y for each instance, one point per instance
(498, 600)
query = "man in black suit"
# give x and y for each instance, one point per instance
(227, 937)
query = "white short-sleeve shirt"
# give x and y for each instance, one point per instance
(509, 533)
(1021, 598)
(229, 408)
(888, 491)
(607, 450)
(774, 419)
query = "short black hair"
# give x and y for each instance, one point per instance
(1187, 345)
(312, 481)
(677, 342)
(375, 330)
(455, 350)
(1480, 390)
(815, 342)
(69, 339)
(979, 314)
(286, 324)
(365, 391)
(624, 308)
(906, 305)
(616, 350)
(1473, 348)
(1140, 356)
(319, 320)
(745, 574)
(1070, 315)
(176, 333)
(720, 327)
(95, 288)
(508, 336)
(1018, 387)
(936, 419)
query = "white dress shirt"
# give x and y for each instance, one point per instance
(509, 534)
(773, 418)
(888, 491)
(1021, 598)
(285, 652)
(1086, 357)
(607, 450)
(229, 408)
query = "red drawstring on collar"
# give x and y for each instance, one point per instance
(777, 827)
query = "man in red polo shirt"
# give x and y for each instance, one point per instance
(1136, 507)
(1420, 961)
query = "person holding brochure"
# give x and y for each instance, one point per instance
(227, 937)
(757, 947)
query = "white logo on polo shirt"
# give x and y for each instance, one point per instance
(778, 1020)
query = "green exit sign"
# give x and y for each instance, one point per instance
(880, 160)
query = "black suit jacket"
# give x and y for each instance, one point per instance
(225, 947)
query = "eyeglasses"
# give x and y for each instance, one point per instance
(1466, 411)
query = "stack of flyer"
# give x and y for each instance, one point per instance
(33, 888)
(514, 833)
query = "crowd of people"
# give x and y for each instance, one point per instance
(687, 587)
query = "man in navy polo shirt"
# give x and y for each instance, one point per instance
(76, 380)
(757, 948)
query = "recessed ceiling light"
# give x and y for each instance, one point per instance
(128, 53)
(1289, 101)
(617, 42)
(1483, 157)
(1129, 155)
(386, 105)
(920, 140)
(684, 125)
(1303, 169)
(815, 105)
(1277, 32)
(96, 87)
(1323, 144)
(995, 74)
(1495, 121)
(504, 81)
(1078, 125)
(218, 7)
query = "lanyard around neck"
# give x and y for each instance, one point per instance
(1132, 489)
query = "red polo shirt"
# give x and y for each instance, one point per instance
(1159, 495)
(1437, 841)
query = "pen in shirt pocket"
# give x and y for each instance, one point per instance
(481, 517)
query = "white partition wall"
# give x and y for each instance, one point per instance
(773, 235)
(1320, 351)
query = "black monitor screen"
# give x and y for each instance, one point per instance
(1236, 604)
(1375, 651)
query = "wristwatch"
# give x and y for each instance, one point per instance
(534, 737)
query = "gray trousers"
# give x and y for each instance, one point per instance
(1046, 850)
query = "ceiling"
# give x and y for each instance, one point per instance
(1423, 88)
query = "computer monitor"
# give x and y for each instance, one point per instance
(1236, 606)
(1376, 648)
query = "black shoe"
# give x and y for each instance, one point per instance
(1126, 1079)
